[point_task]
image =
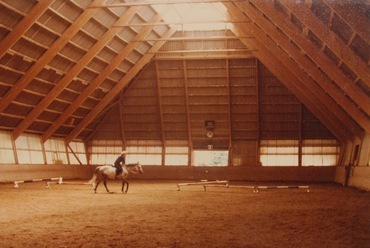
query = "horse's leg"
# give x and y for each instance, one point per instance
(127, 186)
(123, 186)
(96, 185)
(105, 185)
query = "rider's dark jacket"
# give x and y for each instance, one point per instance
(118, 162)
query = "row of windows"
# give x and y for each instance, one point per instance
(30, 150)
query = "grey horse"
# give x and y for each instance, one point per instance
(105, 172)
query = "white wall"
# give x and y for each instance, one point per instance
(359, 172)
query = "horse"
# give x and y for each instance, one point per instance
(104, 172)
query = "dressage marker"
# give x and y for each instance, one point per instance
(61, 182)
(256, 189)
(202, 183)
(16, 183)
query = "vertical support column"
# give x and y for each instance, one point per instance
(230, 109)
(160, 113)
(258, 79)
(14, 149)
(190, 143)
(123, 137)
(66, 144)
(300, 134)
(43, 151)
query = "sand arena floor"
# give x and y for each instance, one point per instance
(155, 214)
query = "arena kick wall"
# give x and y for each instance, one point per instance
(10, 173)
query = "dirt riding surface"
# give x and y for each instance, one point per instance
(155, 214)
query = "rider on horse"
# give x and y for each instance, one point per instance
(119, 160)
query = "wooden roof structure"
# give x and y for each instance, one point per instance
(65, 63)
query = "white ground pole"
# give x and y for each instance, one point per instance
(16, 183)
(61, 182)
(256, 189)
(202, 183)
(307, 188)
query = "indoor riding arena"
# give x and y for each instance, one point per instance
(184, 123)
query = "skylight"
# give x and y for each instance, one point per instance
(195, 16)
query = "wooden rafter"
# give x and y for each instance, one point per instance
(75, 70)
(348, 86)
(97, 81)
(116, 89)
(47, 57)
(325, 83)
(286, 70)
(23, 26)
(330, 39)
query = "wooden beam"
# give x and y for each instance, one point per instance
(325, 34)
(325, 83)
(348, 86)
(116, 89)
(97, 81)
(75, 70)
(37, 67)
(23, 25)
(283, 70)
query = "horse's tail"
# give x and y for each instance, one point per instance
(92, 180)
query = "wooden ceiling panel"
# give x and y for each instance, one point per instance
(53, 21)
(19, 109)
(41, 35)
(361, 48)
(68, 9)
(72, 51)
